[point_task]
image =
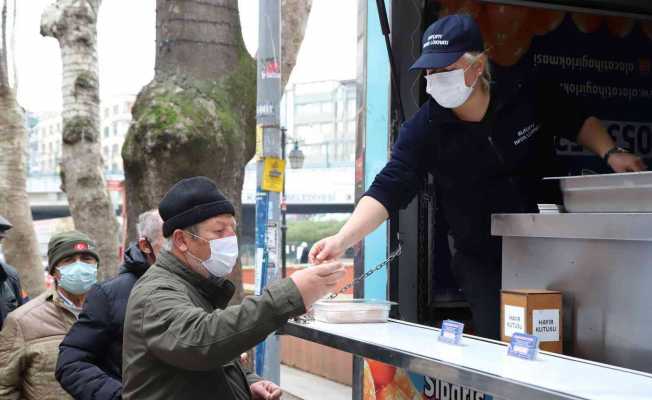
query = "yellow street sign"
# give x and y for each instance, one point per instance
(273, 174)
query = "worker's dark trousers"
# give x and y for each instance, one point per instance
(480, 279)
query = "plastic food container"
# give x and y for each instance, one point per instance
(351, 311)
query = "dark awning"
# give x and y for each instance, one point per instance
(641, 8)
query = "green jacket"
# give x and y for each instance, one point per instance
(181, 341)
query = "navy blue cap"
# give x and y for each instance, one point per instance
(447, 39)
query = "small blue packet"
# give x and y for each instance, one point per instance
(523, 346)
(451, 332)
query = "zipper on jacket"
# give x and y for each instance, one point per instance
(496, 151)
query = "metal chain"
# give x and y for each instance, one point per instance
(304, 319)
(367, 274)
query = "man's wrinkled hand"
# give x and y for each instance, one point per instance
(317, 281)
(265, 390)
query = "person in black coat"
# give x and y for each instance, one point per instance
(11, 294)
(90, 356)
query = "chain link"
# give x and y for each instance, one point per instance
(367, 274)
(307, 318)
(304, 319)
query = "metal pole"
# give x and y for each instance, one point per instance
(284, 208)
(270, 171)
(384, 26)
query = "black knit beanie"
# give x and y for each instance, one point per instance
(190, 201)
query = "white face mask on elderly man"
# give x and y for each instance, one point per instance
(449, 88)
(224, 255)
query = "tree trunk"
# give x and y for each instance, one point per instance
(74, 24)
(20, 247)
(197, 117)
(294, 19)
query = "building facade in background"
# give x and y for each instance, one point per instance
(45, 137)
(320, 116)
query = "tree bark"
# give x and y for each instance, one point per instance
(294, 19)
(14, 85)
(20, 247)
(198, 115)
(74, 24)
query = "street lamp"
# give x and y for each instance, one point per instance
(296, 156)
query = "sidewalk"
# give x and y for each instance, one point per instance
(299, 385)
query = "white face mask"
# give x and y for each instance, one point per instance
(224, 255)
(449, 88)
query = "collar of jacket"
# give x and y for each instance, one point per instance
(135, 261)
(218, 291)
(500, 94)
(53, 297)
(3, 273)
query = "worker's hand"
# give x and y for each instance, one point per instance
(327, 249)
(265, 390)
(317, 281)
(626, 162)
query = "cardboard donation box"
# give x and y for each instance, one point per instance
(534, 312)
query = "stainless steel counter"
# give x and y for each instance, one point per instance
(602, 263)
(478, 363)
(616, 226)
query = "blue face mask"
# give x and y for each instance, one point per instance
(78, 277)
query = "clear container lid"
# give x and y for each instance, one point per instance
(549, 206)
(352, 305)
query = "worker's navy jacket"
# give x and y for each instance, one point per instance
(481, 168)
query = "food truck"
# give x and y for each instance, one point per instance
(597, 254)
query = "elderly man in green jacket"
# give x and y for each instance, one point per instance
(181, 341)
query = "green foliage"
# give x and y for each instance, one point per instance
(198, 113)
(311, 231)
(235, 99)
(160, 116)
